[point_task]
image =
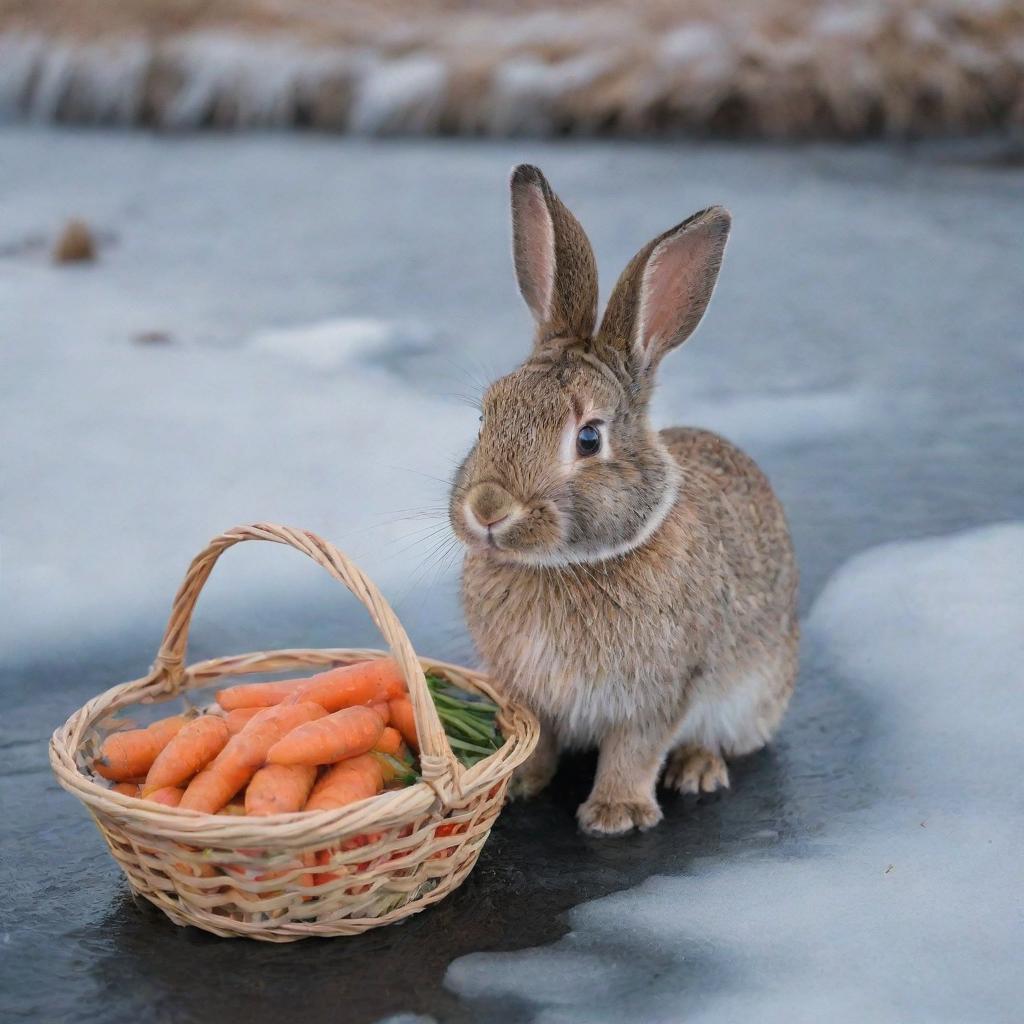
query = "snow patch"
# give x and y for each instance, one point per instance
(330, 344)
(907, 910)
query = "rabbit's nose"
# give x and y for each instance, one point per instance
(490, 505)
(489, 522)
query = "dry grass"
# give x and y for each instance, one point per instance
(775, 69)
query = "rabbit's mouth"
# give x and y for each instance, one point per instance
(490, 520)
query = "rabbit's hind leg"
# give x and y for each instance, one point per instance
(730, 717)
(692, 769)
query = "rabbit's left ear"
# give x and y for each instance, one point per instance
(663, 292)
(554, 261)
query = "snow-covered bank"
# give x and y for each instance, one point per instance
(785, 69)
(910, 909)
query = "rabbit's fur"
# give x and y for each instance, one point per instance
(641, 598)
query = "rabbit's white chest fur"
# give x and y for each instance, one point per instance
(581, 704)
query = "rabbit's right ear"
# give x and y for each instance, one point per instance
(661, 295)
(553, 259)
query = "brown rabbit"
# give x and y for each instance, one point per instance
(636, 588)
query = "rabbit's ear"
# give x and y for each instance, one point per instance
(553, 259)
(663, 292)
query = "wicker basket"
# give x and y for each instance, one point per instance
(292, 876)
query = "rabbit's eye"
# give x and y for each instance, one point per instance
(588, 440)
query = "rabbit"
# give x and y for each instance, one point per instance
(635, 588)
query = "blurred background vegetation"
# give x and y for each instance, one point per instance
(775, 69)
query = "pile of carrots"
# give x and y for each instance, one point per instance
(310, 744)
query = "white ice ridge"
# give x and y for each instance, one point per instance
(910, 909)
(780, 70)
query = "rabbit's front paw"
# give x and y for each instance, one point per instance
(537, 771)
(613, 817)
(695, 770)
(530, 779)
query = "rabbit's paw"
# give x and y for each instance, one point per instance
(531, 779)
(613, 817)
(696, 770)
(537, 771)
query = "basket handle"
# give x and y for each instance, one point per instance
(438, 764)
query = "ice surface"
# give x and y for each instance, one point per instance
(783, 419)
(910, 908)
(322, 299)
(285, 390)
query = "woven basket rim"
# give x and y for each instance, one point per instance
(175, 823)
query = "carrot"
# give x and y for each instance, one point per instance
(404, 719)
(366, 682)
(126, 755)
(448, 829)
(256, 695)
(191, 750)
(390, 742)
(346, 782)
(125, 788)
(236, 764)
(308, 859)
(169, 795)
(346, 733)
(345, 686)
(238, 719)
(279, 788)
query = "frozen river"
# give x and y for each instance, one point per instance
(322, 308)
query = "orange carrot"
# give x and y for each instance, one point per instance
(348, 685)
(448, 829)
(310, 859)
(257, 695)
(126, 788)
(362, 683)
(346, 782)
(169, 795)
(404, 720)
(390, 742)
(238, 719)
(190, 751)
(366, 682)
(236, 764)
(126, 755)
(346, 733)
(279, 788)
